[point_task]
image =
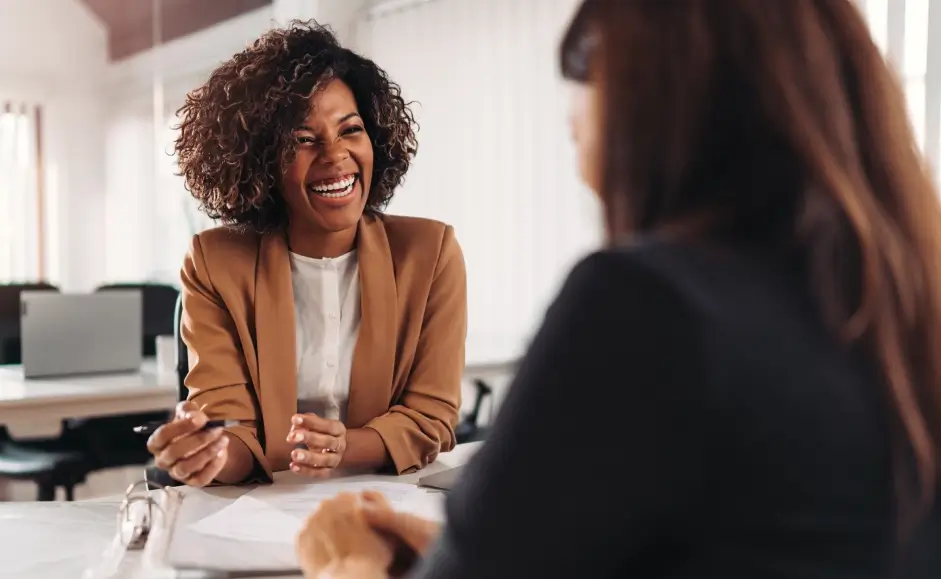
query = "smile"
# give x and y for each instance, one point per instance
(333, 188)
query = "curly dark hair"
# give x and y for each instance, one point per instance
(236, 131)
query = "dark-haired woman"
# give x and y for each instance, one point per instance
(763, 335)
(333, 335)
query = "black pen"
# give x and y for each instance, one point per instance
(151, 427)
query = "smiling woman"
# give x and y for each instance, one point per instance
(334, 334)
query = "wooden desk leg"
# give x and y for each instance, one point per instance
(4, 490)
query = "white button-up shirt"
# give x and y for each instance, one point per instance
(327, 314)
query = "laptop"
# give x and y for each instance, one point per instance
(443, 481)
(71, 334)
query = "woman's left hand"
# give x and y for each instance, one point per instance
(325, 440)
(338, 542)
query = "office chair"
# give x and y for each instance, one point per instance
(49, 463)
(10, 318)
(468, 430)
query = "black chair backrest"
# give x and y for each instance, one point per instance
(182, 354)
(10, 352)
(159, 302)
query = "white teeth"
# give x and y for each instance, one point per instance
(337, 189)
(335, 185)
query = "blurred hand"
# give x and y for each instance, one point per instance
(191, 456)
(414, 533)
(325, 440)
(337, 542)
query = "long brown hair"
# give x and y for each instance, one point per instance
(784, 117)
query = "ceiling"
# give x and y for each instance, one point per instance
(130, 22)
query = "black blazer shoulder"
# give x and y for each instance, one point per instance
(681, 413)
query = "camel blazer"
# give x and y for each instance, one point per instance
(238, 325)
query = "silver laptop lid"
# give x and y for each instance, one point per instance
(67, 334)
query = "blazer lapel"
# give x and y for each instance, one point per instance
(374, 356)
(277, 368)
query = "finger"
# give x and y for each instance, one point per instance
(376, 499)
(185, 407)
(315, 459)
(210, 471)
(187, 467)
(163, 436)
(315, 440)
(318, 424)
(187, 446)
(382, 519)
(414, 531)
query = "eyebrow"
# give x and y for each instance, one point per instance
(342, 119)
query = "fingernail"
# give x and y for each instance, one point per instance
(188, 416)
(297, 420)
(221, 453)
(223, 442)
(301, 456)
(298, 437)
(295, 468)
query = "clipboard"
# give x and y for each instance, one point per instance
(152, 521)
(146, 506)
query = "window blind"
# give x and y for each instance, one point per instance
(20, 193)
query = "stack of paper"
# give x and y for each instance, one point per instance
(275, 514)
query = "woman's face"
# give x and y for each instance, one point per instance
(327, 185)
(585, 125)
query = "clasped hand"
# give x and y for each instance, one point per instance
(325, 442)
(360, 536)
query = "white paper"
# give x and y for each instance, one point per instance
(275, 514)
(248, 519)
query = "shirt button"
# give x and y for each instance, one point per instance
(331, 363)
(333, 315)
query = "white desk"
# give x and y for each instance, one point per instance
(61, 540)
(36, 407)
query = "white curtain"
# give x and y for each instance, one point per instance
(909, 33)
(19, 194)
(495, 158)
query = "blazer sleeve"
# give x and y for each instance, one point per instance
(420, 424)
(218, 374)
(607, 394)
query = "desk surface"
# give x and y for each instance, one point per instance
(61, 540)
(36, 407)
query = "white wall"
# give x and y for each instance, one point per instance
(54, 53)
(495, 157)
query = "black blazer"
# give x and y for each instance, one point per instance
(683, 413)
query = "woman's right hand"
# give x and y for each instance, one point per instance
(191, 456)
(414, 533)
